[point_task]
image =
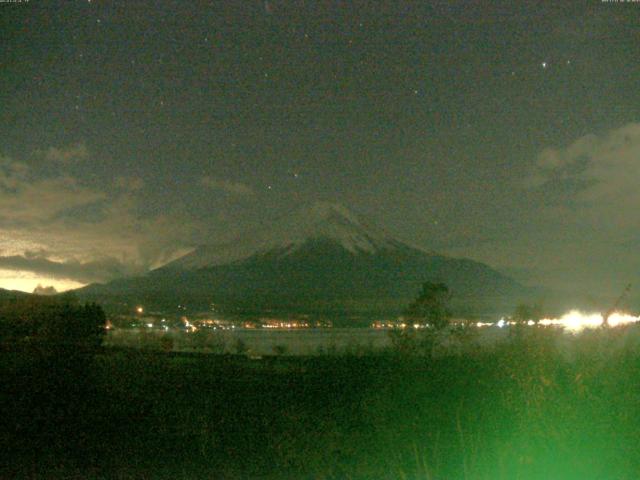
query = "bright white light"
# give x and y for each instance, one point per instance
(576, 321)
(616, 319)
(484, 324)
(573, 321)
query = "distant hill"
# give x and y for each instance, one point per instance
(7, 294)
(322, 260)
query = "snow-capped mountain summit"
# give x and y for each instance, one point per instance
(321, 260)
(320, 221)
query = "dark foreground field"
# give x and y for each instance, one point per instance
(528, 409)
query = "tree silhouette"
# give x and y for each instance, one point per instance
(431, 308)
(524, 312)
(51, 320)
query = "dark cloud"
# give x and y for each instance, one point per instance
(131, 184)
(83, 272)
(577, 223)
(227, 186)
(27, 197)
(603, 173)
(62, 226)
(66, 155)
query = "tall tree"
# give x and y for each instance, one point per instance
(524, 312)
(431, 307)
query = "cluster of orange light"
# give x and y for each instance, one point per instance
(284, 324)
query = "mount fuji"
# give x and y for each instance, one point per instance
(320, 222)
(322, 260)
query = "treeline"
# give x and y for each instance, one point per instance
(51, 320)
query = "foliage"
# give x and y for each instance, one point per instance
(525, 312)
(403, 341)
(541, 406)
(167, 343)
(279, 349)
(431, 308)
(51, 320)
(240, 347)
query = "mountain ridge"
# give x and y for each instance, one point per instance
(323, 259)
(320, 220)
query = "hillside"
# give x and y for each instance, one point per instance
(323, 259)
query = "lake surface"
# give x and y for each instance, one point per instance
(315, 341)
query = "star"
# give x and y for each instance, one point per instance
(544, 64)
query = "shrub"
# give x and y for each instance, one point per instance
(51, 320)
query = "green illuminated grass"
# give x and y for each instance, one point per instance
(537, 407)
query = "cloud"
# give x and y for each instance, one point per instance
(84, 272)
(57, 225)
(66, 155)
(227, 186)
(40, 200)
(12, 173)
(131, 184)
(598, 175)
(42, 290)
(26, 197)
(574, 219)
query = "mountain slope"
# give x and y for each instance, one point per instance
(11, 294)
(321, 220)
(323, 259)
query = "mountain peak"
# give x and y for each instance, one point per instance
(318, 221)
(328, 210)
(322, 260)
(335, 222)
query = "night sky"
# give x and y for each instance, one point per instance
(506, 132)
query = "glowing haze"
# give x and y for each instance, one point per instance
(576, 321)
